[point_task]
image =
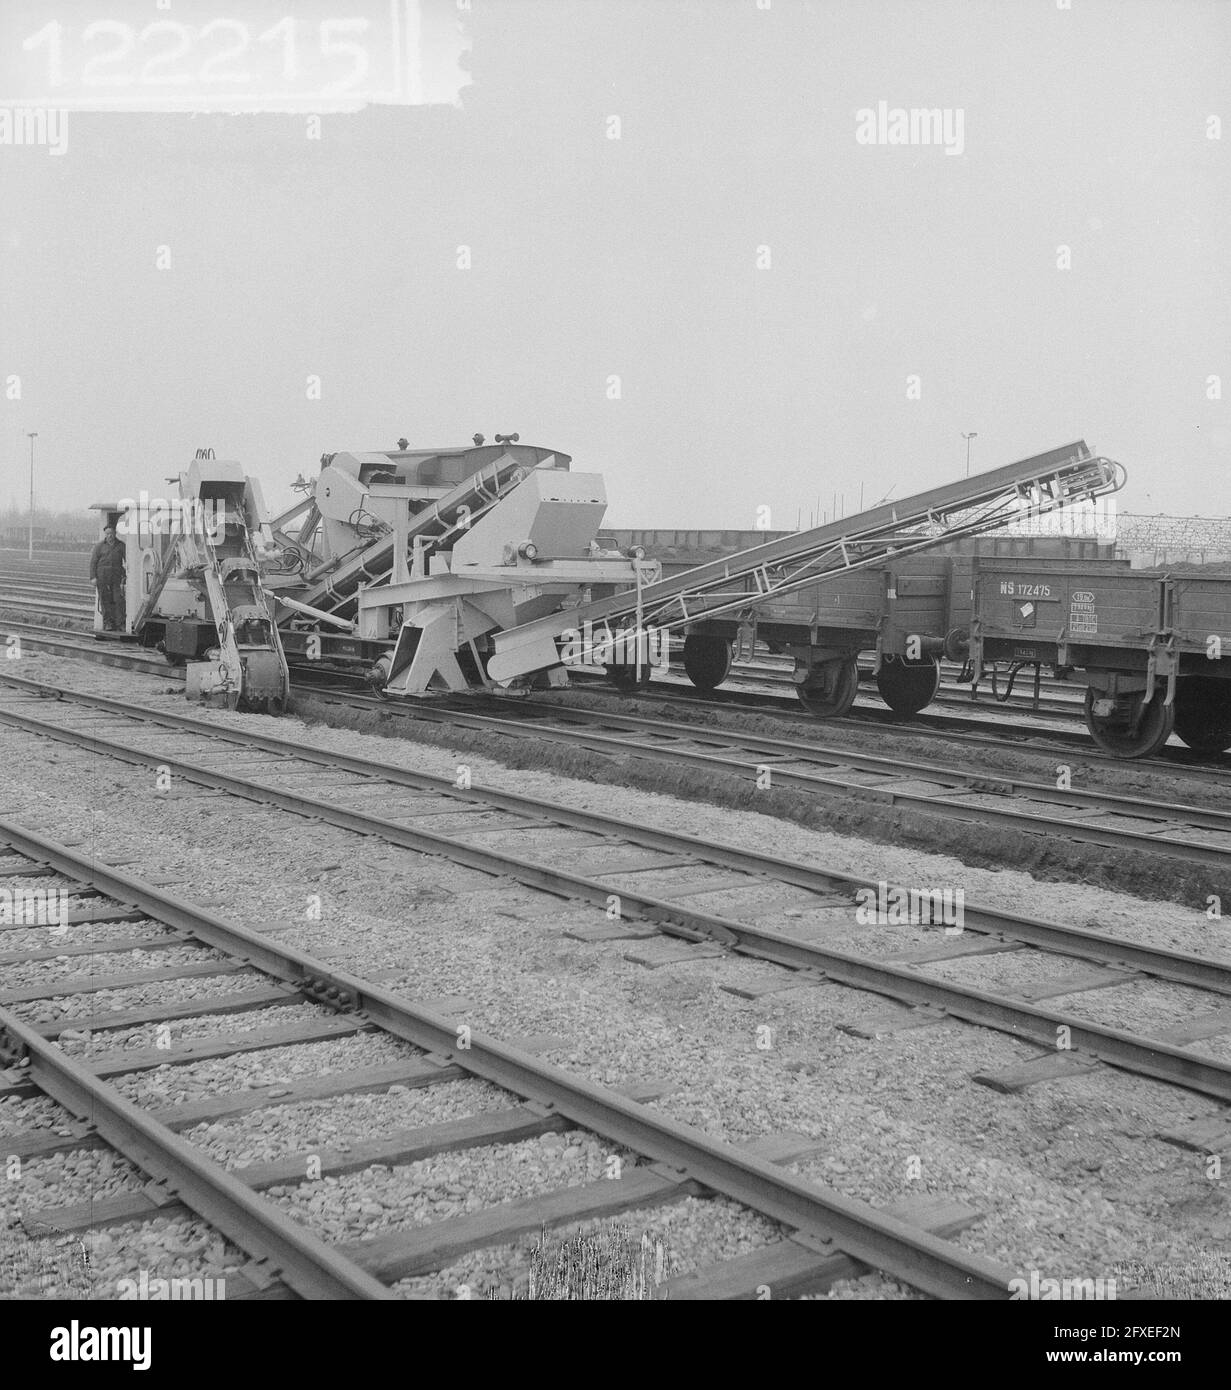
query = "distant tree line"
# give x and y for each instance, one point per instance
(52, 530)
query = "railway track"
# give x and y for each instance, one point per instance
(747, 678)
(82, 592)
(656, 878)
(60, 641)
(781, 667)
(780, 693)
(76, 596)
(977, 732)
(244, 977)
(1130, 823)
(52, 607)
(758, 680)
(57, 578)
(1203, 769)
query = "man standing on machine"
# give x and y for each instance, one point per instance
(107, 574)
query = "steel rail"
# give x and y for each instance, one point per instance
(257, 1226)
(100, 653)
(1050, 706)
(927, 724)
(758, 673)
(1172, 814)
(79, 597)
(1147, 1057)
(767, 683)
(976, 732)
(822, 1215)
(769, 664)
(77, 588)
(52, 607)
(1067, 711)
(80, 602)
(1179, 967)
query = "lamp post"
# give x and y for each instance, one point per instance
(974, 434)
(33, 435)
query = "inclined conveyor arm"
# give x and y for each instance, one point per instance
(1032, 486)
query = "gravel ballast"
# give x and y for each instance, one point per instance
(1070, 1176)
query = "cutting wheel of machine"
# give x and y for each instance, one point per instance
(1138, 734)
(1203, 713)
(830, 689)
(707, 660)
(907, 686)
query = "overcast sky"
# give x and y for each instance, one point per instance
(637, 258)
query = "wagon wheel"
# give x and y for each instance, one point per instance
(707, 660)
(830, 689)
(907, 686)
(1137, 734)
(1203, 713)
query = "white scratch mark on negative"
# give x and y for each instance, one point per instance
(414, 52)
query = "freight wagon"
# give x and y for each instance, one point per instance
(1154, 650)
(908, 613)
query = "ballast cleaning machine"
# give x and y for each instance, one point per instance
(397, 566)
(453, 569)
(412, 560)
